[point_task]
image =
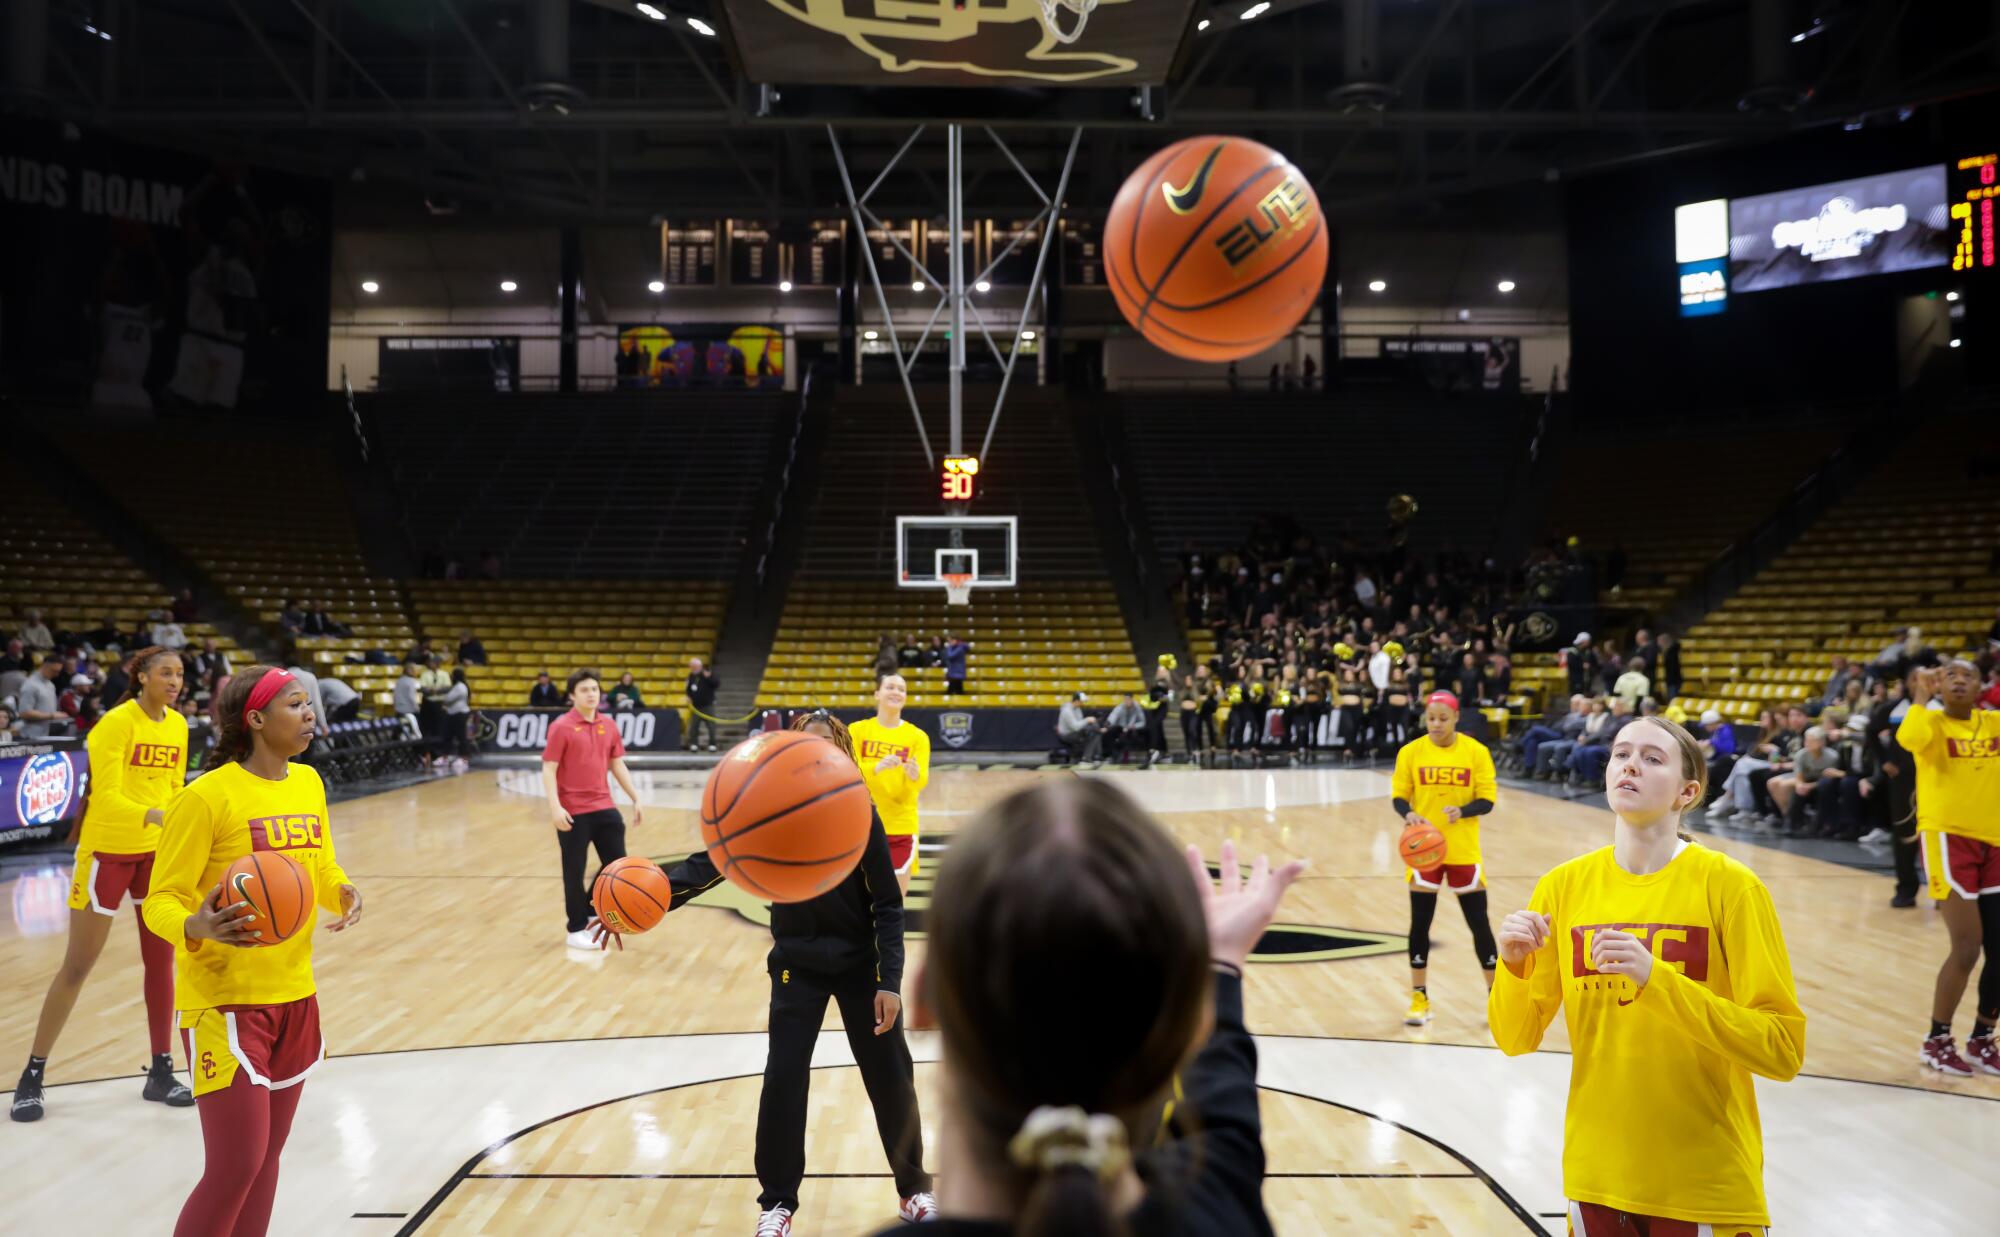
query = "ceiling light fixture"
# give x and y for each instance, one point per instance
(1256, 10)
(701, 27)
(508, 285)
(651, 12)
(982, 286)
(868, 334)
(1506, 285)
(656, 285)
(370, 286)
(784, 285)
(916, 285)
(1378, 285)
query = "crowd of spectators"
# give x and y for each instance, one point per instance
(1329, 647)
(947, 652)
(56, 682)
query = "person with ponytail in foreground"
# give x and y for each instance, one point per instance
(138, 759)
(1669, 967)
(1087, 980)
(249, 1015)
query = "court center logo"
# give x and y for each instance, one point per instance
(955, 728)
(1281, 942)
(952, 27)
(48, 784)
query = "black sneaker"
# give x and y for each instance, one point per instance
(163, 1087)
(1903, 901)
(27, 1099)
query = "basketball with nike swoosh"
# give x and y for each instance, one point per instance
(1216, 248)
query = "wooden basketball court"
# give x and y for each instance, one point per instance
(484, 1079)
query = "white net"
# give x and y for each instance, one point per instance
(957, 589)
(1052, 18)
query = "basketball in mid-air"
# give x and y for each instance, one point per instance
(1215, 248)
(785, 815)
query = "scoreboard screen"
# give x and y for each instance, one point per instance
(1975, 182)
(688, 252)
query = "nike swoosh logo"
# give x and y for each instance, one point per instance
(1623, 1000)
(1188, 196)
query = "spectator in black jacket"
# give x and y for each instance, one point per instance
(544, 694)
(1581, 662)
(1068, 893)
(470, 651)
(1669, 678)
(700, 689)
(847, 945)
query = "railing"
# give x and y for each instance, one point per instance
(784, 485)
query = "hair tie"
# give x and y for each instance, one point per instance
(268, 686)
(1053, 1138)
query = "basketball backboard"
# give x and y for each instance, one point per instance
(930, 547)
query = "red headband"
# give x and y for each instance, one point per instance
(266, 691)
(1444, 698)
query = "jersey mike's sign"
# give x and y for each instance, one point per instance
(41, 786)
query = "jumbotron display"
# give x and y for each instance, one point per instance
(1870, 225)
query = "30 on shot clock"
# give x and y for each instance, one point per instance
(959, 470)
(1975, 183)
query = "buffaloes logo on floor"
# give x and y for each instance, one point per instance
(1282, 942)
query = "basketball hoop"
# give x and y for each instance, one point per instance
(1082, 9)
(957, 588)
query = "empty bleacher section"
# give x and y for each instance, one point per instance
(293, 538)
(658, 486)
(1914, 545)
(53, 562)
(650, 628)
(1330, 461)
(1723, 479)
(1060, 631)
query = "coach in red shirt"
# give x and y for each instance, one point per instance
(583, 746)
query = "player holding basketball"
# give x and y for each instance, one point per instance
(1957, 752)
(583, 747)
(249, 1016)
(895, 760)
(846, 944)
(1670, 969)
(138, 758)
(1445, 780)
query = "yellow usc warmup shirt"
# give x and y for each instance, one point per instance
(895, 795)
(136, 765)
(1662, 1116)
(1958, 772)
(222, 816)
(1433, 778)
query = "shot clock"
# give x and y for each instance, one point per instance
(1975, 183)
(959, 470)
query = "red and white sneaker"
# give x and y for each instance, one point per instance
(777, 1222)
(1942, 1055)
(918, 1207)
(1983, 1053)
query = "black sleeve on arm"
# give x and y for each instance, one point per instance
(1212, 1157)
(1402, 807)
(692, 877)
(1478, 807)
(885, 897)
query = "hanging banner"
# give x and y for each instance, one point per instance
(430, 362)
(1458, 363)
(715, 356)
(139, 278)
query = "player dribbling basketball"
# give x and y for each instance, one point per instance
(1669, 967)
(847, 945)
(1445, 780)
(895, 760)
(249, 1016)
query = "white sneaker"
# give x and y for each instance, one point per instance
(580, 939)
(711, 747)
(918, 1208)
(777, 1222)
(1877, 836)
(460, 764)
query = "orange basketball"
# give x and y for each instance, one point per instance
(631, 895)
(277, 889)
(785, 815)
(1215, 248)
(1421, 846)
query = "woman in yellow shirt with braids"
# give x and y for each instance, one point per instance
(249, 1015)
(1669, 967)
(138, 759)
